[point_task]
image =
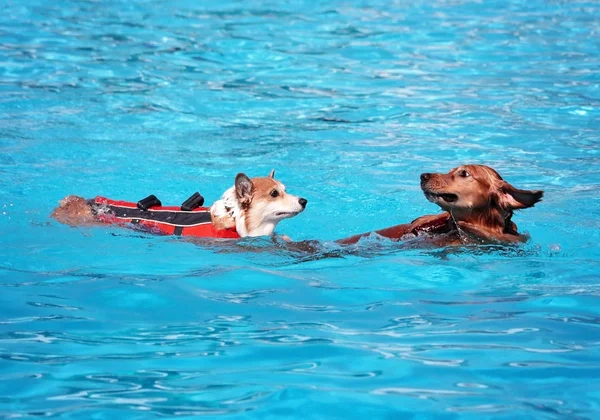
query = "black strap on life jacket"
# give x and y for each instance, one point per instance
(195, 201)
(173, 217)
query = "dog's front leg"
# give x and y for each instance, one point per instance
(488, 235)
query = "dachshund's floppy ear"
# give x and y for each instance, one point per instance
(243, 188)
(511, 198)
(272, 174)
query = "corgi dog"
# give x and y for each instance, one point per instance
(255, 206)
(252, 207)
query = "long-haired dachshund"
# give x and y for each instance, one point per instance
(478, 206)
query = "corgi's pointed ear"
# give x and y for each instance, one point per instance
(512, 198)
(272, 174)
(243, 188)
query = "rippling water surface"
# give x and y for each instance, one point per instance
(349, 101)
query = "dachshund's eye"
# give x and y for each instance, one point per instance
(274, 193)
(464, 173)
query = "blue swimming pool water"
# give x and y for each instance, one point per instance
(350, 101)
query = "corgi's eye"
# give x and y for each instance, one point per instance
(464, 174)
(274, 193)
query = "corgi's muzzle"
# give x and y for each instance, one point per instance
(287, 214)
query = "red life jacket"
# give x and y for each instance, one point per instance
(160, 219)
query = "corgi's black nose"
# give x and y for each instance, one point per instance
(303, 202)
(425, 177)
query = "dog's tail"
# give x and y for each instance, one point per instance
(74, 211)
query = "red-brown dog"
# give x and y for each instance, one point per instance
(478, 207)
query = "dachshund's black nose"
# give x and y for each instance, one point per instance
(303, 202)
(425, 177)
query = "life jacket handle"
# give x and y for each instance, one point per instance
(195, 201)
(150, 201)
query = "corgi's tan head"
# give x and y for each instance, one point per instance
(255, 206)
